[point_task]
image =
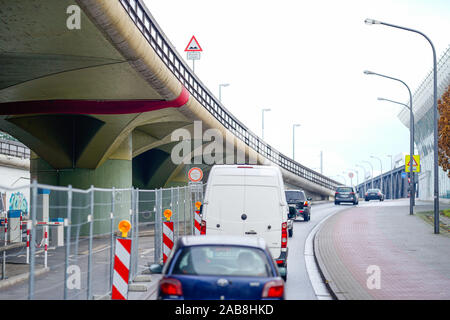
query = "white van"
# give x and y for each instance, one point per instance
(248, 200)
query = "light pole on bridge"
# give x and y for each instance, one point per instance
(392, 186)
(262, 111)
(220, 90)
(381, 175)
(365, 175)
(372, 172)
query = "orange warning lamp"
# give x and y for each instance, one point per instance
(168, 214)
(124, 227)
(198, 204)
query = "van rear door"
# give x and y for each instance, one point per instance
(225, 205)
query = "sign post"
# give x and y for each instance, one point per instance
(193, 50)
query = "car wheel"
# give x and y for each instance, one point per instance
(336, 203)
(366, 199)
(290, 232)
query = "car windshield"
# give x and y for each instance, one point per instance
(222, 260)
(344, 189)
(295, 196)
(373, 190)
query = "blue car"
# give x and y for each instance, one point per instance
(220, 268)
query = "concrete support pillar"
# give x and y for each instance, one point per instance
(114, 172)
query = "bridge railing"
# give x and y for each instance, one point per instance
(145, 22)
(14, 148)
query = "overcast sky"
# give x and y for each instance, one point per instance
(305, 60)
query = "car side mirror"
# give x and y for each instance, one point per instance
(309, 199)
(292, 210)
(156, 268)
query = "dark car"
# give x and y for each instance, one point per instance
(220, 268)
(297, 199)
(374, 194)
(345, 194)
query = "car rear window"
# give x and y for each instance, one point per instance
(344, 189)
(373, 190)
(295, 196)
(222, 260)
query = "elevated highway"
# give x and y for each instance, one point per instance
(98, 105)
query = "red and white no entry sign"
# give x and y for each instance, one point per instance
(350, 174)
(195, 174)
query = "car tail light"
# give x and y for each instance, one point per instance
(279, 261)
(273, 289)
(379, 194)
(300, 211)
(203, 227)
(336, 193)
(352, 193)
(170, 287)
(284, 235)
(366, 193)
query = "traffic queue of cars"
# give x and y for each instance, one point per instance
(243, 254)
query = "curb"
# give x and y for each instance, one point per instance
(334, 291)
(17, 279)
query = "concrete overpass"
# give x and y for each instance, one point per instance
(97, 105)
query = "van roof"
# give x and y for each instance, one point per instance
(223, 240)
(268, 170)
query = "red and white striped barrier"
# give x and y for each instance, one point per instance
(197, 223)
(28, 240)
(121, 269)
(167, 239)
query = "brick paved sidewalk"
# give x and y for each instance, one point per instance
(414, 263)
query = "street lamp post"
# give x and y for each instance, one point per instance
(293, 140)
(262, 111)
(392, 186)
(372, 171)
(411, 139)
(435, 120)
(220, 90)
(381, 176)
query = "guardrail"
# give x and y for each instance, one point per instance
(14, 149)
(145, 22)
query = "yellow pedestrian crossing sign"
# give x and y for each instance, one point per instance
(415, 164)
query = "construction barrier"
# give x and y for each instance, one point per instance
(197, 223)
(167, 239)
(121, 269)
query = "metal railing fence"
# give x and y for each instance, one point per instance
(68, 250)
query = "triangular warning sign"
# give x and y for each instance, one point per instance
(193, 45)
(414, 163)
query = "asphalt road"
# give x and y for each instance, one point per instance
(298, 284)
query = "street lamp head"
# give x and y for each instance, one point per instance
(266, 110)
(381, 99)
(368, 72)
(371, 21)
(297, 125)
(224, 84)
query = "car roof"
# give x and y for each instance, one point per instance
(222, 240)
(295, 190)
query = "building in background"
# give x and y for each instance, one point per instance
(423, 133)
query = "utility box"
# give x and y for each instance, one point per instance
(57, 233)
(14, 226)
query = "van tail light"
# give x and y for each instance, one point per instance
(203, 227)
(273, 289)
(170, 287)
(284, 235)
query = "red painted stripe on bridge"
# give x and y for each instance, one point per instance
(91, 106)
